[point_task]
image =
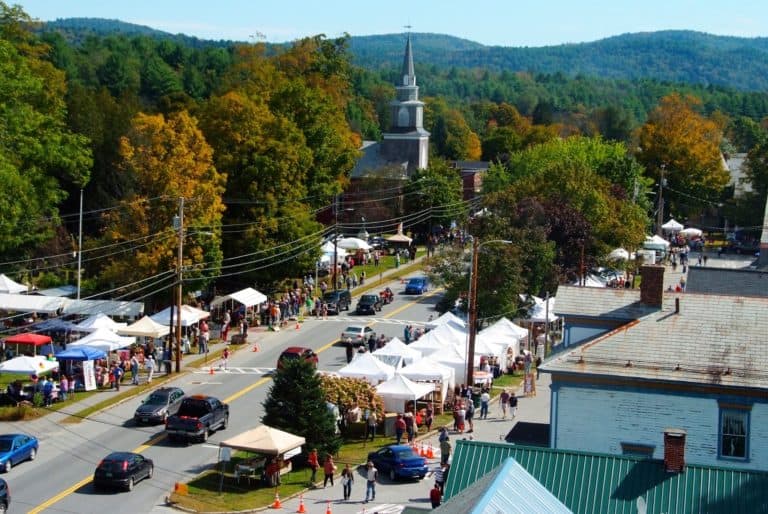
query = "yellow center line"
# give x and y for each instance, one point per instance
(66, 492)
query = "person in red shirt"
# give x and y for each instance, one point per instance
(399, 428)
(434, 496)
(314, 463)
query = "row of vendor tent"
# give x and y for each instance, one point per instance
(8, 285)
(438, 357)
(66, 306)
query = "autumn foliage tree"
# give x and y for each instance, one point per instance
(165, 159)
(686, 144)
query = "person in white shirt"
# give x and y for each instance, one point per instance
(371, 474)
(485, 398)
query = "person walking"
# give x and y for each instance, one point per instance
(371, 474)
(399, 428)
(435, 495)
(149, 364)
(313, 465)
(410, 424)
(440, 478)
(134, 369)
(117, 374)
(503, 403)
(513, 405)
(370, 425)
(328, 468)
(445, 451)
(485, 399)
(224, 358)
(63, 387)
(470, 416)
(225, 322)
(347, 479)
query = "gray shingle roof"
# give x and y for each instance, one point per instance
(597, 302)
(714, 339)
(745, 282)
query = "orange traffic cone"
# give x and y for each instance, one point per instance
(298, 325)
(276, 504)
(301, 509)
(422, 451)
(328, 508)
(210, 371)
(430, 452)
(255, 348)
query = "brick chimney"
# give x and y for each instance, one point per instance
(674, 450)
(652, 285)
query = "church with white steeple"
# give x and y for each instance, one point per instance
(405, 146)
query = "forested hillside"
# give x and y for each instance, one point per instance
(667, 56)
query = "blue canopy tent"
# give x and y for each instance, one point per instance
(81, 353)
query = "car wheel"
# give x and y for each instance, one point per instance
(151, 472)
(392, 475)
(224, 423)
(3, 507)
(8, 466)
(164, 418)
(32, 454)
(129, 485)
(204, 437)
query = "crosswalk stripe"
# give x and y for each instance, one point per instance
(233, 371)
(384, 508)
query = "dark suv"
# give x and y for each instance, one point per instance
(368, 304)
(337, 301)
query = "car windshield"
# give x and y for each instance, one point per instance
(5, 445)
(404, 454)
(287, 356)
(330, 296)
(415, 281)
(157, 399)
(353, 329)
(368, 298)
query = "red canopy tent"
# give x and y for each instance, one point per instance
(28, 338)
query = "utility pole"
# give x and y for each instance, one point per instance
(660, 212)
(179, 263)
(80, 245)
(335, 238)
(472, 318)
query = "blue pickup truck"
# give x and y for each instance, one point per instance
(196, 418)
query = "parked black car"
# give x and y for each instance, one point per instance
(369, 304)
(337, 301)
(5, 496)
(159, 405)
(123, 470)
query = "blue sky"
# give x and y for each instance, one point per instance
(491, 22)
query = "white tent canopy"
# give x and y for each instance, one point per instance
(398, 390)
(369, 368)
(353, 243)
(691, 232)
(438, 339)
(656, 242)
(452, 358)
(429, 370)
(98, 321)
(8, 285)
(248, 297)
(104, 339)
(31, 303)
(28, 365)
(265, 440)
(540, 313)
(189, 315)
(109, 307)
(618, 254)
(672, 226)
(448, 317)
(328, 248)
(396, 347)
(145, 327)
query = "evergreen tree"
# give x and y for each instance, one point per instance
(296, 404)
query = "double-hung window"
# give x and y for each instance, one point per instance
(734, 432)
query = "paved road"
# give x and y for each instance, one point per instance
(58, 481)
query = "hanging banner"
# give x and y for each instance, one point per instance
(89, 376)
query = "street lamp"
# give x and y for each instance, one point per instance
(363, 234)
(178, 224)
(472, 322)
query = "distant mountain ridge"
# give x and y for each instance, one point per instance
(668, 56)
